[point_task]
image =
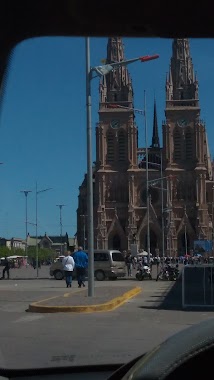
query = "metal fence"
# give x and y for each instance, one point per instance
(198, 286)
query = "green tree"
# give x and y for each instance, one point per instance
(43, 253)
(17, 252)
(5, 251)
(31, 252)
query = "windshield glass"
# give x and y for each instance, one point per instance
(126, 167)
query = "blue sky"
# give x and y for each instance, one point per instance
(43, 124)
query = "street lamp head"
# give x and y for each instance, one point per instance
(42, 191)
(102, 70)
(106, 69)
(26, 192)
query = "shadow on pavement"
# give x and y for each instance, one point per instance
(171, 300)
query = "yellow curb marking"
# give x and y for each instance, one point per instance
(108, 306)
(69, 294)
(65, 295)
(47, 299)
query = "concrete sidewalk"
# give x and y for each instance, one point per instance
(106, 298)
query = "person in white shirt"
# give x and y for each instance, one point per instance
(68, 267)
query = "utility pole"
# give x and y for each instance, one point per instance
(60, 223)
(213, 220)
(90, 208)
(26, 192)
(162, 209)
(185, 230)
(37, 248)
(169, 219)
(147, 180)
(84, 232)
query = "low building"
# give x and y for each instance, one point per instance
(59, 244)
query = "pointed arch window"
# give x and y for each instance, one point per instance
(189, 145)
(110, 147)
(177, 145)
(122, 146)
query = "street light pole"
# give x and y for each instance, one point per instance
(26, 192)
(162, 201)
(84, 232)
(169, 202)
(89, 174)
(60, 222)
(37, 251)
(84, 237)
(162, 209)
(169, 219)
(147, 180)
(185, 231)
(37, 248)
(212, 219)
(99, 71)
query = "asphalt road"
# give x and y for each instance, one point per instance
(38, 340)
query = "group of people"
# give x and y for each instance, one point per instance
(79, 261)
(133, 262)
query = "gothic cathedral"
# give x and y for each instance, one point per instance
(180, 173)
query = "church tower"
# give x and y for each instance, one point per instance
(120, 202)
(187, 160)
(116, 147)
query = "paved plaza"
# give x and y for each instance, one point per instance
(36, 339)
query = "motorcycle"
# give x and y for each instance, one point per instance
(143, 273)
(174, 273)
(169, 273)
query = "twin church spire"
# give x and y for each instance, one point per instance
(116, 86)
(181, 82)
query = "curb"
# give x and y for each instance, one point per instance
(36, 307)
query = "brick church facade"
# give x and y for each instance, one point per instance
(185, 193)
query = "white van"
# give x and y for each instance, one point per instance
(108, 263)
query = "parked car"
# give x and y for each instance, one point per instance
(107, 264)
